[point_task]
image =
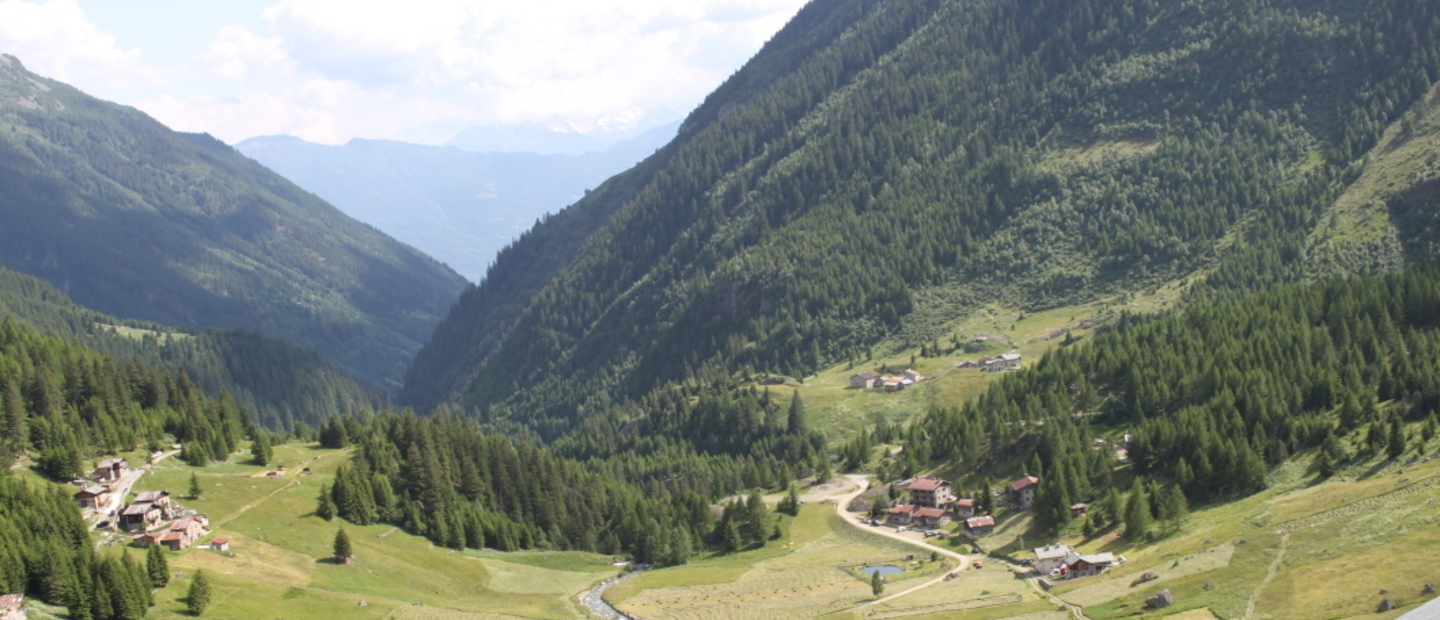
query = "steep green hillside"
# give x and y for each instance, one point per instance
(883, 167)
(280, 383)
(140, 222)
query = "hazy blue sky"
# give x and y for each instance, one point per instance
(418, 70)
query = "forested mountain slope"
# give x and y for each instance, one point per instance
(278, 382)
(458, 206)
(881, 162)
(140, 222)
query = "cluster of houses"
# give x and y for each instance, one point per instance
(95, 490)
(1066, 563)
(867, 380)
(999, 363)
(933, 504)
(182, 533)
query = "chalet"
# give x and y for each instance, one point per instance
(12, 607)
(912, 375)
(1022, 492)
(138, 517)
(1002, 363)
(976, 527)
(159, 499)
(1079, 511)
(864, 380)
(1054, 333)
(964, 508)
(185, 531)
(931, 517)
(967, 364)
(111, 469)
(980, 339)
(903, 514)
(893, 384)
(220, 544)
(1077, 565)
(930, 493)
(1050, 558)
(92, 497)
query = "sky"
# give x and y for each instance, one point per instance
(419, 70)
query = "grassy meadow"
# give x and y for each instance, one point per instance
(278, 566)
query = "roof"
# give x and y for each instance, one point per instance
(902, 509)
(985, 521)
(1024, 482)
(1080, 506)
(1050, 552)
(969, 503)
(150, 496)
(11, 601)
(91, 491)
(1098, 558)
(930, 513)
(220, 541)
(1010, 356)
(928, 484)
(867, 375)
(171, 536)
(182, 523)
(111, 463)
(137, 509)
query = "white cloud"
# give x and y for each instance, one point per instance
(56, 40)
(331, 70)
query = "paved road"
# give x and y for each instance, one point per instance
(121, 490)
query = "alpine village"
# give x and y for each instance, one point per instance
(934, 309)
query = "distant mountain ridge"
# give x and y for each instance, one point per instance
(458, 206)
(135, 220)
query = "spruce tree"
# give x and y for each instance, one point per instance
(1395, 448)
(324, 507)
(342, 548)
(157, 568)
(796, 419)
(194, 490)
(877, 584)
(1137, 513)
(260, 449)
(198, 598)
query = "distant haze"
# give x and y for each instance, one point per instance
(458, 206)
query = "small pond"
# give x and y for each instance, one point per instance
(883, 571)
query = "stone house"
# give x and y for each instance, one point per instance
(863, 380)
(1002, 363)
(110, 470)
(964, 508)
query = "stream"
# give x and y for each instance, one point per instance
(594, 599)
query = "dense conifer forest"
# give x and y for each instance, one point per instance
(1215, 396)
(279, 383)
(883, 163)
